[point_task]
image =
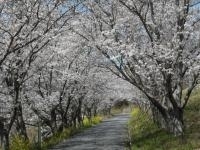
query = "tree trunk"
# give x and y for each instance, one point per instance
(95, 110)
(53, 121)
(157, 117)
(172, 120)
(20, 124)
(79, 112)
(7, 141)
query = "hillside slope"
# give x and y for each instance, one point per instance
(146, 136)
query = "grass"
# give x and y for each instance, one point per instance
(146, 136)
(17, 143)
(122, 109)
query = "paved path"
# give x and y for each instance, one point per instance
(108, 135)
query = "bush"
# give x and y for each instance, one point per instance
(147, 136)
(140, 124)
(18, 143)
(90, 122)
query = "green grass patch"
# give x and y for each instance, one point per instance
(18, 143)
(145, 135)
(122, 109)
(93, 121)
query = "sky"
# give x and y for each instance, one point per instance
(196, 3)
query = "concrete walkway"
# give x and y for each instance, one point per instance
(108, 135)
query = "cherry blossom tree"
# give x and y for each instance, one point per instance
(66, 87)
(154, 45)
(26, 29)
(55, 57)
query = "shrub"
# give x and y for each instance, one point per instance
(57, 138)
(18, 143)
(147, 136)
(140, 123)
(93, 121)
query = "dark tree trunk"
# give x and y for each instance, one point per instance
(65, 116)
(172, 120)
(7, 141)
(79, 112)
(17, 117)
(95, 111)
(20, 124)
(53, 121)
(157, 117)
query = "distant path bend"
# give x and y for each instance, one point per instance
(108, 135)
